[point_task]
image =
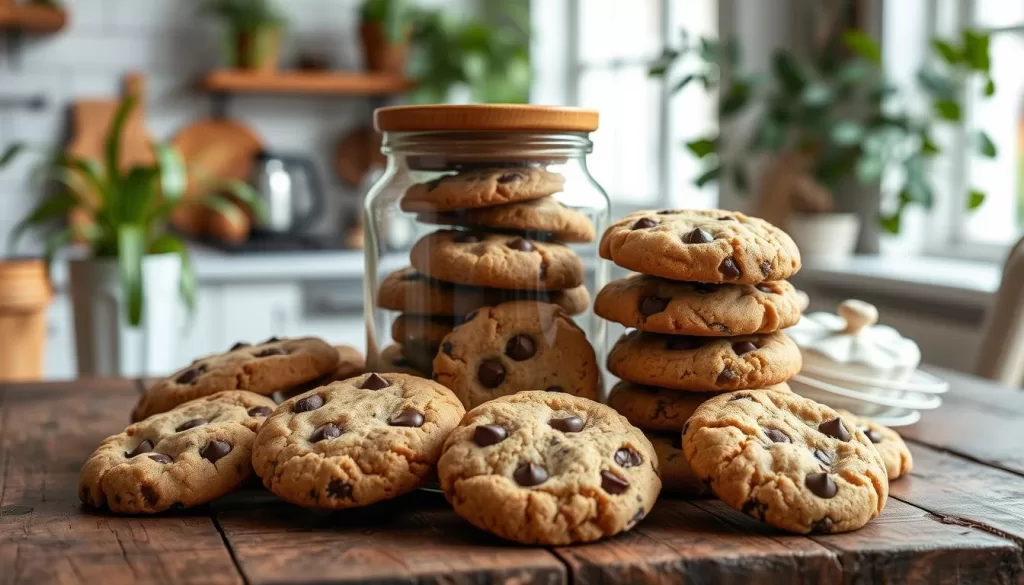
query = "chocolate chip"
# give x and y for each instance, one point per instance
(325, 432)
(509, 178)
(766, 268)
(652, 305)
(375, 382)
(644, 223)
(823, 457)
(446, 347)
(466, 238)
(821, 485)
(543, 271)
(683, 343)
(613, 484)
(873, 435)
(637, 517)
(755, 509)
(521, 245)
(338, 489)
(144, 447)
(766, 288)
(743, 347)
(190, 375)
(487, 435)
(269, 352)
(705, 289)
(520, 347)
(822, 526)
(490, 373)
(697, 236)
(554, 389)
(627, 457)
(161, 458)
(729, 269)
(835, 429)
(742, 397)
(149, 494)
(571, 424)
(407, 418)
(777, 436)
(669, 211)
(271, 339)
(215, 450)
(727, 376)
(530, 474)
(239, 345)
(259, 411)
(308, 403)
(191, 424)
(727, 218)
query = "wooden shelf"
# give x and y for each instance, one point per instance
(302, 82)
(33, 19)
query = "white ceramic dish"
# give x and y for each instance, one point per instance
(823, 391)
(897, 418)
(919, 381)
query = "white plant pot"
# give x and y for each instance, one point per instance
(105, 344)
(824, 236)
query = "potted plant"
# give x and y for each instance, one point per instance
(385, 28)
(253, 27)
(831, 126)
(127, 293)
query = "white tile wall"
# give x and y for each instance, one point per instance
(170, 42)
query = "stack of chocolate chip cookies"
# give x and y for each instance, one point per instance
(706, 312)
(485, 307)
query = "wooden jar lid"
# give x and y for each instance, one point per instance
(489, 117)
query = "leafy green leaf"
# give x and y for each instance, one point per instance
(975, 199)
(890, 223)
(862, 44)
(54, 242)
(138, 192)
(173, 176)
(131, 249)
(702, 147)
(170, 244)
(937, 84)
(869, 169)
(247, 195)
(789, 72)
(710, 50)
(919, 191)
(112, 147)
(855, 72)
(709, 175)
(55, 206)
(986, 147)
(769, 135)
(846, 133)
(816, 95)
(948, 52)
(928, 146)
(661, 65)
(976, 50)
(990, 87)
(948, 110)
(735, 99)
(10, 153)
(683, 83)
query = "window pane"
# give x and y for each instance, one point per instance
(617, 29)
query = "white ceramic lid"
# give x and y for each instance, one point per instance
(853, 338)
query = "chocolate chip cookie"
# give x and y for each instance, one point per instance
(545, 468)
(704, 364)
(477, 188)
(890, 445)
(276, 365)
(181, 458)
(676, 476)
(350, 363)
(423, 329)
(709, 246)
(393, 359)
(545, 217)
(410, 291)
(787, 460)
(660, 409)
(353, 443)
(689, 308)
(496, 260)
(524, 345)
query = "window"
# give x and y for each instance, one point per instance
(595, 53)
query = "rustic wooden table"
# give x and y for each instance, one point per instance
(959, 518)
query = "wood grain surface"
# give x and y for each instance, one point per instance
(955, 519)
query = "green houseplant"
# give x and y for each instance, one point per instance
(385, 27)
(135, 259)
(253, 32)
(833, 120)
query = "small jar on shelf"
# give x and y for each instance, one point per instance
(481, 249)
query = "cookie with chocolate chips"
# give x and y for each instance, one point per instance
(524, 345)
(478, 188)
(661, 409)
(546, 468)
(276, 365)
(890, 445)
(181, 458)
(422, 329)
(356, 442)
(545, 216)
(787, 460)
(496, 260)
(709, 246)
(704, 364)
(410, 291)
(658, 305)
(676, 476)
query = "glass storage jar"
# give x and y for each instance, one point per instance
(481, 250)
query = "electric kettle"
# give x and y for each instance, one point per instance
(290, 189)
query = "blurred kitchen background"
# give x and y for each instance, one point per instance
(298, 101)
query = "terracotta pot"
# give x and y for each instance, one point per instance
(24, 295)
(258, 49)
(382, 55)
